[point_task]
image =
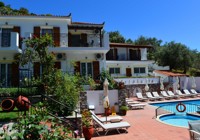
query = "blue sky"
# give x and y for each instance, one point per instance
(168, 20)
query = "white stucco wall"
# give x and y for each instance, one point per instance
(96, 98)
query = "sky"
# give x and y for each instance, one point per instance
(168, 20)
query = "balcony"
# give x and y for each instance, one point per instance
(9, 42)
(92, 43)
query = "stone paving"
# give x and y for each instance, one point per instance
(145, 127)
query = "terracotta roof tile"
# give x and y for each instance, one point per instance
(129, 45)
(169, 73)
(85, 23)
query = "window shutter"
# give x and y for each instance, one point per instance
(17, 29)
(57, 65)
(84, 39)
(77, 67)
(70, 40)
(115, 54)
(95, 69)
(56, 37)
(36, 69)
(15, 74)
(37, 31)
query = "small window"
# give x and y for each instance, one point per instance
(139, 70)
(114, 70)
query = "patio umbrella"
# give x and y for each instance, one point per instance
(177, 82)
(193, 83)
(161, 84)
(106, 103)
(146, 88)
(185, 83)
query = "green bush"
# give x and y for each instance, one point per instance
(65, 89)
(15, 91)
(105, 74)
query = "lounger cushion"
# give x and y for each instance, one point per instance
(116, 125)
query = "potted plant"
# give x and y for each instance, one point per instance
(123, 109)
(87, 124)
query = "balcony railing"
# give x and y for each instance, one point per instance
(69, 40)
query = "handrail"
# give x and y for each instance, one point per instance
(55, 116)
(171, 108)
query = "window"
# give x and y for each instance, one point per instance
(6, 37)
(47, 31)
(5, 75)
(114, 70)
(86, 69)
(139, 70)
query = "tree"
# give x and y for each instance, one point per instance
(2, 4)
(129, 41)
(23, 11)
(154, 42)
(175, 55)
(116, 37)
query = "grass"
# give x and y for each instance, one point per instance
(8, 116)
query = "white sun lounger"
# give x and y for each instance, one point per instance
(188, 93)
(164, 94)
(193, 91)
(136, 106)
(140, 97)
(172, 94)
(181, 94)
(151, 98)
(110, 126)
(155, 94)
(107, 119)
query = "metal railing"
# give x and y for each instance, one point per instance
(67, 122)
(177, 108)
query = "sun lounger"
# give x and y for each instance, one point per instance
(193, 91)
(164, 94)
(188, 93)
(181, 94)
(110, 126)
(172, 94)
(107, 119)
(155, 94)
(151, 98)
(140, 97)
(136, 106)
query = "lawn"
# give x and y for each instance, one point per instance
(8, 116)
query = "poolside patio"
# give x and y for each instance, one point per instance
(145, 127)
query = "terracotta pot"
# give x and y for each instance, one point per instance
(88, 132)
(8, 105)
(22, 103)
(123, 112)
(107, 111)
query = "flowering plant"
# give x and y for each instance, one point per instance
(87, 120)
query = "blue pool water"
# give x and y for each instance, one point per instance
(179, 119)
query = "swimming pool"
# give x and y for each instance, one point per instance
(178, 118)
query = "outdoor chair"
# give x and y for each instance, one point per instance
(136, 106)
(109, 126)
(181, 94)
(151, 98)
(194, 130)
(172, 94)
(107, 119)
(188, 93)
(165, 95)
(140, 97)
(155, 94)
(193, 91)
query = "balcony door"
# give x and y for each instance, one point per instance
(5, 75)
(5, 37)
(86, 69)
